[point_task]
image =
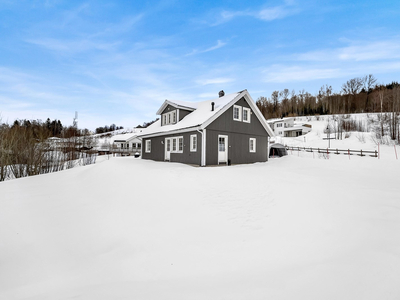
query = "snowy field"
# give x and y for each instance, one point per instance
(296, 227)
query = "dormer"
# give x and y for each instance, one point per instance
(172, 112)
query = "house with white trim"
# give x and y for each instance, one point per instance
(287, 127)
(226, 130)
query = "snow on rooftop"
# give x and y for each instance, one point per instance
(197, 117)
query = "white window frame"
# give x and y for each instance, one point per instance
(170, 117)
(193, 143)
(175, 144)
(254, 144)
(148, 146)
(239, 118)
(179, 138)
(248, 114)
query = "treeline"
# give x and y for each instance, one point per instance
(31, 147)
(357, 95)
(106, 128)
(43, 130)
(147, 124)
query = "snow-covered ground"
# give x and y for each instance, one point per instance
(125, 228)
(317, 138)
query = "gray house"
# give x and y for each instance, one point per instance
(226, 130)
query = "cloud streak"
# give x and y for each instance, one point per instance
(356, 51)
(264, 14)
(219, 45)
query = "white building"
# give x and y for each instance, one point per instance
(287, 127)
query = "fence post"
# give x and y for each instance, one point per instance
(395, 150)
(361, 153)
(348, 151)
(327, 152)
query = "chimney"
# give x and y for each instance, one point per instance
(221, 93)
(212, 106)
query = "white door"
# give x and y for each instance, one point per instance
(167, 149)
(222, 149)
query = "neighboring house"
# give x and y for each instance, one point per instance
(129, 142)
(286, 127)
(227, 130)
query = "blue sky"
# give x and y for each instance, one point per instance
(117, 61)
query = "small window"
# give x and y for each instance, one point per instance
(139, 145)
(148, 146)
(173, 117)
(174, 145)
(237, 113)
(193, 143)
(252, 145)
(180, 144)
(246, 114)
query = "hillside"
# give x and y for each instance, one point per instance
(124, 228)
(353, 140)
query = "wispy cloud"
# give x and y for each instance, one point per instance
(214, 81)
(281, 74)
(219, 44)
(356, 51)
(72, 46)
(265, 14)
(354, 59)
(274, 13)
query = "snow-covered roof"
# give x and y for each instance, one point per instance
(202, 116)
(128, 136)
(273, 121)
(178, 104)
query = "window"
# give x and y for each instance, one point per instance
(174, 145)
(180, 144)
(246, 114)
(148, 146)
(252, 145)
(237, 113)
(193, 143)
(279, 125)
(177, 144)
(169, 118)
(139, 145)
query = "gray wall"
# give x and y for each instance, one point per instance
(183, 113)
(187, 157)
(238, 133)
(238, 148)
(169, 108)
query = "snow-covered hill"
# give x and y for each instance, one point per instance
(125, 228)
(353, 140)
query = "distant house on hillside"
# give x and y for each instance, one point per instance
(286, 127)
(225, 130)
(127, 143)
